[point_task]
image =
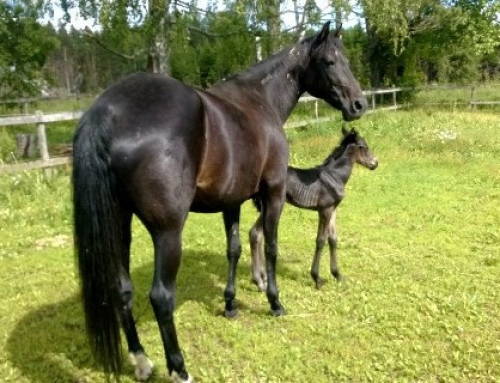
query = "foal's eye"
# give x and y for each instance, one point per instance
(328, 62)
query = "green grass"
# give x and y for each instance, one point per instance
(419, 242)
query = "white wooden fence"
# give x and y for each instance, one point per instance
(39, 120)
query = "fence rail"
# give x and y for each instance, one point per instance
(40, 119)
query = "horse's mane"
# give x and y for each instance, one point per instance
(350, 138)
(270, 64)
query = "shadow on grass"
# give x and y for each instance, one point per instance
(49, 343)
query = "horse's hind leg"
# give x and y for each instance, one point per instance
(258, 270)
(168, 249)
(332, 242)
(324, 216)
(231, 225)
(138, 358)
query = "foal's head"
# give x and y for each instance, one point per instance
(357, 145)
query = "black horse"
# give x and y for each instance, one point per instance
(157, 148)
(321, 189)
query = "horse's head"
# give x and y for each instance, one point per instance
(362, 154)
(329, 77)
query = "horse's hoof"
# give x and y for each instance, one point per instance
(231, 314)
(143, 366)
(176, 378)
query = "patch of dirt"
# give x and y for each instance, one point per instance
(57, 241)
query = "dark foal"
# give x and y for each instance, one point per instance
(156, 148)
(321, 189)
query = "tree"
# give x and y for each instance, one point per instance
(406, 36)
(24, 47)
(122, 16)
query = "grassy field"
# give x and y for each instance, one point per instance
(419, 244)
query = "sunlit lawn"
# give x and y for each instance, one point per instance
(419, 243)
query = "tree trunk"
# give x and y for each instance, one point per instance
(159, 29)
(371, 54)
(273, 25)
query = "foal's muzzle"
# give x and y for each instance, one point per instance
(373, 164)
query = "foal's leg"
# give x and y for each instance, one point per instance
(258, 270)
(231, 224)
(168, 248)
(272, 207)
(138, 358)
(324, 216)
(332, 242)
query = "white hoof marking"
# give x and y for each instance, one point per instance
(175, 378)
(143, 366)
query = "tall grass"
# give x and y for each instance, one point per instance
(419, 244)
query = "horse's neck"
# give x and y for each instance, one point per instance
(340, 168)
(274, 82)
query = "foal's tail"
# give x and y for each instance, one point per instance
(98, 244)
(257, 202)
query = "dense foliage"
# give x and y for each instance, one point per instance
(395, 42)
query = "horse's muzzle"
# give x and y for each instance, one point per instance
(355, 109)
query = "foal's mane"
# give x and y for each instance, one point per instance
(350, 138)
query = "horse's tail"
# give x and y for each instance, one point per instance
(98, 238)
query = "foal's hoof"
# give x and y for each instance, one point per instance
(231, 314)
(280, 311)
(261, 285)
(320, 283)
(337, 276)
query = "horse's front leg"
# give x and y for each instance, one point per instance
(272, 208)
(332, 242)
(324, 216)
(231, 225)
(255, 239)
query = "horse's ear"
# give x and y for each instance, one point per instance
(323, 34)
(345, 132)
(338, 32)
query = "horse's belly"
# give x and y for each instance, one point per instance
(221, 192)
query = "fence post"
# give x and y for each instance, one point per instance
(42, 142)
(316, 108)
(473, 88)
(373, 99)
(42, 137)
(394, 98)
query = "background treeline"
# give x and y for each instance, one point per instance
(393, 43)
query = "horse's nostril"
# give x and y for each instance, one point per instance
(358, 106)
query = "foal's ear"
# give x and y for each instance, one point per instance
(323, 35)
(345, 132)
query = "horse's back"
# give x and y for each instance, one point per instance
(152, 127)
